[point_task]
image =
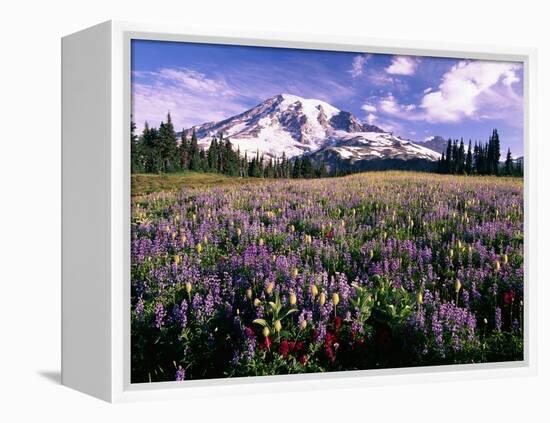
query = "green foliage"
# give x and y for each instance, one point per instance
(482, 160)
(276, 313)
(158, 151)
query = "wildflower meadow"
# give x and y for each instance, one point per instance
(368, 271)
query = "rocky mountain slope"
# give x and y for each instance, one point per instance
(294, 126)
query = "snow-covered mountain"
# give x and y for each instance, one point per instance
(435, 143)
(377, 151)
(296, 126)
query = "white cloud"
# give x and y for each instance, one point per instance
(469, 90)
(371, 117)
(471, 86)
(390, 105)
(510, 78)
(358, 64)
(402, 65)
(369, 108)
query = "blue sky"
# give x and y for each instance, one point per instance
(414, 97)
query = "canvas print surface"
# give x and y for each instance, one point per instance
(299, 211)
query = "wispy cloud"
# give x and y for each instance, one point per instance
(402, 65)
(194, 97)
(358, 64)
(195, 81)
(187, 94)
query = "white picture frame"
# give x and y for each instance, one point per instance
(96, 213)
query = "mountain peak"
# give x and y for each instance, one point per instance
(287, 100)
(436, 143)
(295, 126)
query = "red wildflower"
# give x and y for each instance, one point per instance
(291, 345)
(331, 345)
(330, 234)
(303, 359)
(508, 297)
(337, 323)
(284, 348)
(249, 332)
(299, 346)
(266, 343)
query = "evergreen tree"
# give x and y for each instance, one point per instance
(244, 165)
(261, 167)
(232, 159)
(167, 145)
(203, 161)
(212, 156)
(477, 158)
(194, 153)
(136, 160)
(448, 157)
(322, 170)
(495, 154)
(468, 167)
(184, 151)
(508, 164)
(454, 158)
(441, 164)
(152, 162)
(461, 158)
(307, 168)
(297, 168)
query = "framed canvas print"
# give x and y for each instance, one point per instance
(246, 212)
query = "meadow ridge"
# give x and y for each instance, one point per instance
(248, 276)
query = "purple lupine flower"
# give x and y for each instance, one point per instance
(321, 332)
(140, 307)
(498, 319)
(437, 329)
(466, 298)
(180, 313)
(357, 326)
(180, 373)
(160, 314)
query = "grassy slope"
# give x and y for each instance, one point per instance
(149, 183)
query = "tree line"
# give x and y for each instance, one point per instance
(157, 150)
(481, 159)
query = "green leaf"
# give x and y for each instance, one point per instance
(294, 310)
(261, 322)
